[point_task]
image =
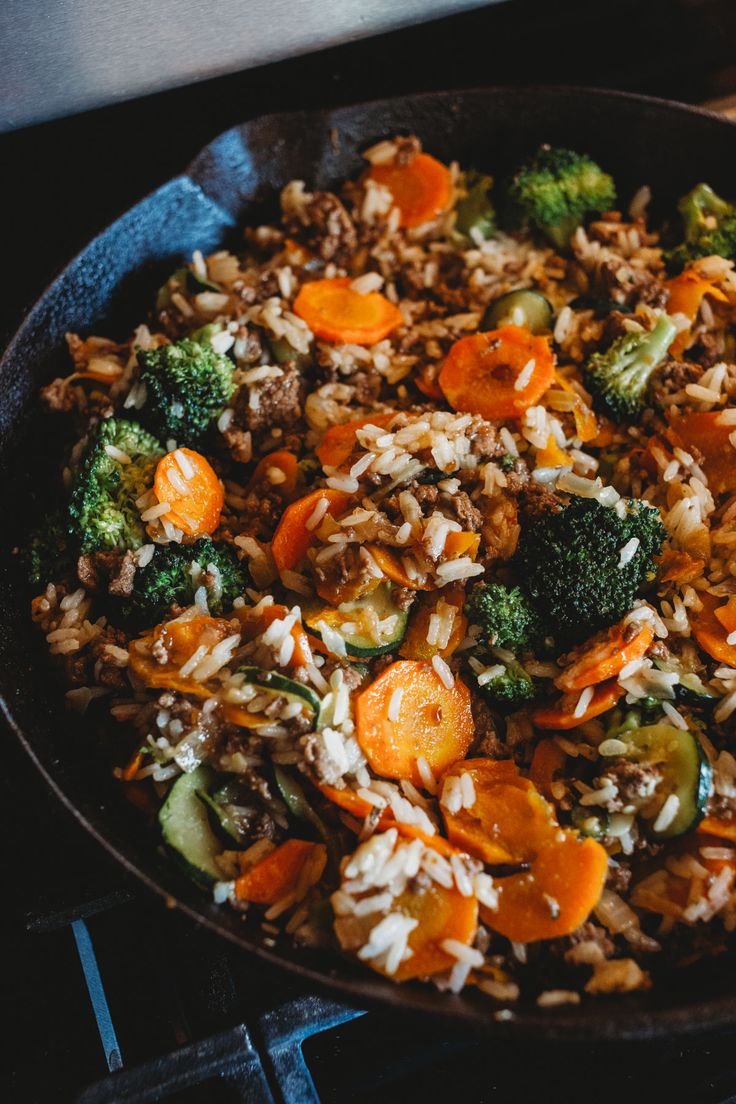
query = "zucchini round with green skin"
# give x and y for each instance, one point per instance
(678, 754)
(276, 686)
(186, 829)
(357, 640)
(233, 830)
(523, 307)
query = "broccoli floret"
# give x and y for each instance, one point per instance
(174, 573)
(48, 552)
(510, 690)
(555, 191)
(102, 510)
(504, 614)
(506, 462)
(187, 386)
(709, 225)
(474, 213)
(570, 563)
(618, 378)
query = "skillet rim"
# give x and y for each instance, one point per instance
(607, 1019)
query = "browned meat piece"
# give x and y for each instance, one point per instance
(61, 396)
(327, 228)
(536, 500)
(122, 579)
(407, 149)
(635, 783)
(403, 598)
(239, 443)
(426, 494)
(486, 744)
(672, 376)
(468, 515)
(279, 403)
(346, 567)
(619, 877)
(722, 807)
(589, 944)
(486, 445)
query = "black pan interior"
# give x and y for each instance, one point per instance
(107, 289)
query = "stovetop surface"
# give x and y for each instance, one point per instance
(96, 973)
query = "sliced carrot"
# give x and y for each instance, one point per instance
(726, 614)
(717, 826)
(253, 626)
(422, 189)
(336, 312)
(442, 914)
(703, 432)
(197, 508)
(339, 440)
(561, 714)
(359, 808)
(547, 762)
(433, 721)
(180, 639)
(508, 822)
(552, 456)
(279, 471)
(605, 655)
(555, 896)
(133, 765)
(461, 544)
(415, 644)
(687, 292)
(426, 381)
(292, 538)
(480, 372)
(392, 567)
(586, 423)
(679, 567)
(709, 631)
(279, 873)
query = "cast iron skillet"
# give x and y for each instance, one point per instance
(108, 288)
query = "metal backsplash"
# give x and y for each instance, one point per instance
(58, 57)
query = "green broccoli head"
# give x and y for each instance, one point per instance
(555, 191)
(504, 614)
(474, 213)
(709, 226)
(618, 378)
(511, 689)
(48, 553)
(187, 385)
(571, 563)
(174, 573)
(117, 469)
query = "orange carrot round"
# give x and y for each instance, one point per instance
(561, 714)
(433, 721)
(710, 633)
(292, 538)
(480, 372)
(415, 644)
(547, 762)
(507, 823)
(192, 490)
(339, 440)
(687, 292)
(252, 627)
(359, 808)
(605, 655)
(180, 639)
(555, 896)
(392, 567)
(421, 189)
(704, 433)
(279, 471)
(279, 872)
(336, 312)
(717, 826)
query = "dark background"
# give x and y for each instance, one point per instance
(62, 182)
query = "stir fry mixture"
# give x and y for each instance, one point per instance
(399, 546)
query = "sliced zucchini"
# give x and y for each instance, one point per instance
(204, 335)
(691, 687)
(358, 615)
(231, 827)
(257, 683)
(475, 210)
(187, 281)
(600, 307)
(523, 307)
(590, 822)
(687, 773)
(283, 352)
(186, 828)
